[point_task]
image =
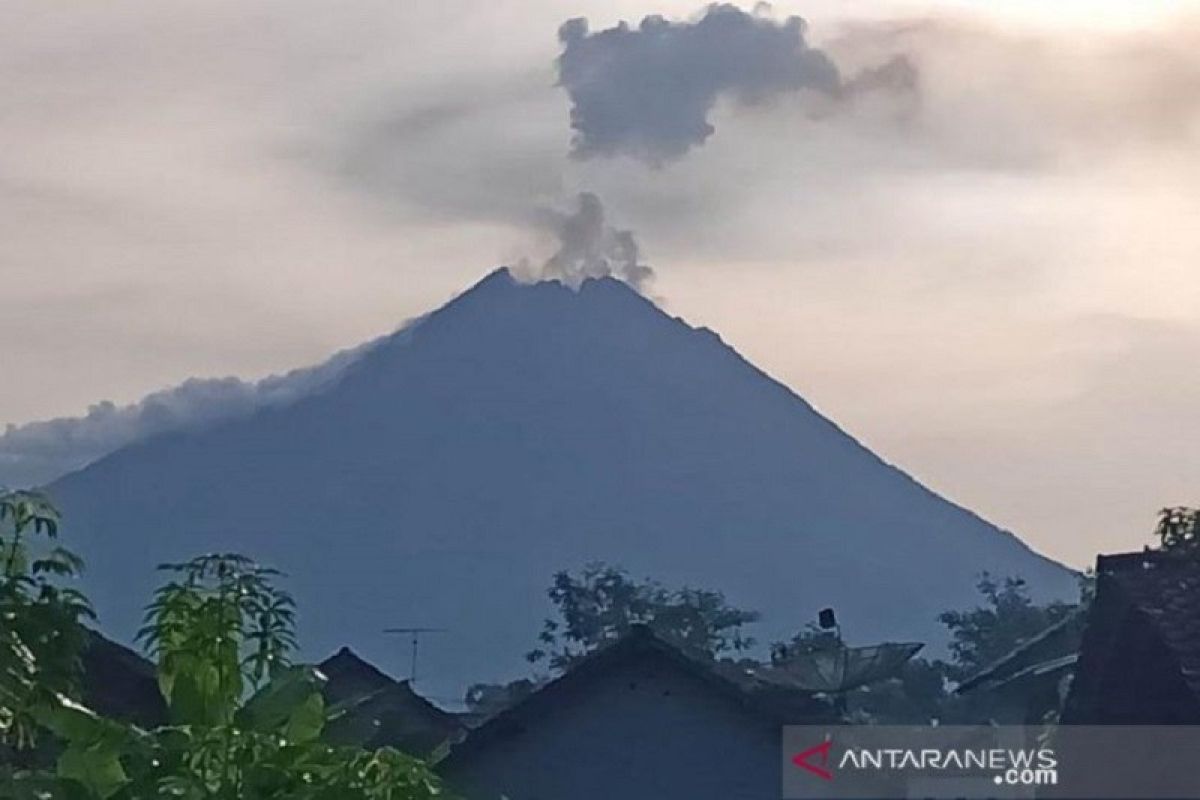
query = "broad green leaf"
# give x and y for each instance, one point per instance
(78, 725)
(196, 696)
(307, 720)
(97, 767)
(291, 703)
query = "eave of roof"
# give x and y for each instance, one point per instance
(986, 674)
(1054, 666)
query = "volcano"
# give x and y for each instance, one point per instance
(523, 429)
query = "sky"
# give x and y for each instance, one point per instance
(986, 270)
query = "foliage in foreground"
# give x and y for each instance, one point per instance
(244, 723)
(40, 636)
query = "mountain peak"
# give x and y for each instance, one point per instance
(504, 280)
(520, 430)
(504, 304)
(499, 278)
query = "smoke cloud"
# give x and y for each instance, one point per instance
(648, 92)
(38, 452)
(589, 247)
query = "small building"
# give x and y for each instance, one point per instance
(636, 720)
(1139, 663)
(370, 709)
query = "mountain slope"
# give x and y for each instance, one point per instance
(523, 429)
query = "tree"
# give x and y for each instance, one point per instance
(981, 635)
(1178, 529)
(602, 603)
(245, 723)
(40, 634)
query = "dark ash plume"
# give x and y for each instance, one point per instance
(647, 92)
(591, 248)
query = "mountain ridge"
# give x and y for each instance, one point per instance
(525, 428)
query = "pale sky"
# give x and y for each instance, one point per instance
(994, 284)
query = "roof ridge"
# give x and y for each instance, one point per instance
(347, 655)
(638, 638)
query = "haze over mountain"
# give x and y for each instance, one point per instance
(38, 452)
(442, 477)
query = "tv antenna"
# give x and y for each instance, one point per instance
(416, 634)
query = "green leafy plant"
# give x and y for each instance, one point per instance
(245, 723)
(40, 612)
(217, 628)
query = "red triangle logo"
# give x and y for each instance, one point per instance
(801, 760)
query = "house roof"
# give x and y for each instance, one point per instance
(1020, 681)
(1054, 648)
(1140, 658)
(371, 709)
(771, 702)
(1165, 588)
(119, 683)
(350, 676)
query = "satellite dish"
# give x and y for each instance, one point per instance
(838, 669)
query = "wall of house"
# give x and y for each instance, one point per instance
(644, 731)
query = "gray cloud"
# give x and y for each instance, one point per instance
(157, 191)
(589, 247)
(995, 97)
(38, 452)
(897, 74)
(488, 151)
(648, 92)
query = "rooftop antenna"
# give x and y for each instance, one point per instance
(415, 633)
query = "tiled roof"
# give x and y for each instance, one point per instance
(1165, 587)
(769, 701)
(349, 676)
(371, 709)
(119, 683)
